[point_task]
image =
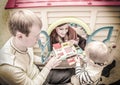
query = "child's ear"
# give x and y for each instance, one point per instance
(19, 35)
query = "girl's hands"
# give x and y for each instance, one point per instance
(75, 41)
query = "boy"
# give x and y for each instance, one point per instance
(88, 71)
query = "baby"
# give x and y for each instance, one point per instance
(88, 70)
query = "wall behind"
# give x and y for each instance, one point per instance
(4, 32)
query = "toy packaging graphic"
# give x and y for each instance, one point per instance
(66, 51)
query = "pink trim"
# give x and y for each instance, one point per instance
(10, 4)
(58, 3)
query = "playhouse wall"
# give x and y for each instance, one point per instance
(95, 17)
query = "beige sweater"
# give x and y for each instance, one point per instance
(17, 67)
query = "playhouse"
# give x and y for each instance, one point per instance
(95, 19)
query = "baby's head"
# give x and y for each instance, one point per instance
(97, 51)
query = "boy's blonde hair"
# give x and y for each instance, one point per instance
(97, 51)
(22, 21)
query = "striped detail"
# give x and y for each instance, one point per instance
(83, 76)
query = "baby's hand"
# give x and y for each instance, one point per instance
(77, 59)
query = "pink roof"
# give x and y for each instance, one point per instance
(51, 3)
